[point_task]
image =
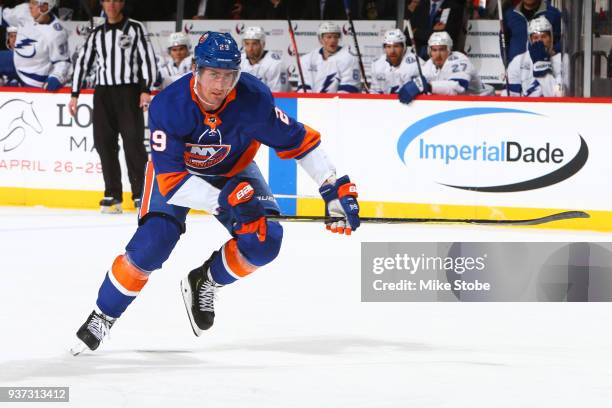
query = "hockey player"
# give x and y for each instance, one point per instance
(264, 65)
(40, 57)
(395, 67)
(8, 75)
(538, 71)
(447, 72)
(331, 68)
(206, 129)
(11, 37)
(179, 49)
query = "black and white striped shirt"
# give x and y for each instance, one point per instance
(123, 53)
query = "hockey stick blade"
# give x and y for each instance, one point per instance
(565, 215)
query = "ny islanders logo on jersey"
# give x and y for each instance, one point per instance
(200, 156)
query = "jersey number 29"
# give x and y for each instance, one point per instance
(158, 141)
(281, 115)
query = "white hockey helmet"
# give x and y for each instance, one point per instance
(394, 36)
(539, 25)
(255, 33)
(51, 3)
(328, 27)
(9, 30)
(440, 38)
(177, 39)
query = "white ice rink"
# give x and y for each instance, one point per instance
(294, 334)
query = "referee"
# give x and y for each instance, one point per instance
(125, 72)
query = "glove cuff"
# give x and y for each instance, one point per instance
(329, 192)
(343, 187)
(347, 189)
(541, 68)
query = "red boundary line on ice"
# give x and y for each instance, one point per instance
(461, 98)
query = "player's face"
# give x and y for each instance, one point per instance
(112, 8)
(330, 42)
(544, 37)
(439, 54)
(12, 38)
(214, 84)
(178, 53)
(394, 52)
(253, 49)
(36, 10)
(530, 3)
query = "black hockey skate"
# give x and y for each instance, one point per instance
(110, 205)
(199, 292)
(92, 332)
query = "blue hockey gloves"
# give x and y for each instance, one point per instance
(411, 89)
(245, 209)
(52, 84)
(341, 201)
(541, 59)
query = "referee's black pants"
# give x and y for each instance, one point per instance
(116, 110)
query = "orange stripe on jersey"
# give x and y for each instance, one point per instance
(148, 189)
(311, 138)
(246, 158)
(235, 260)
(168, 181)
(127, 275)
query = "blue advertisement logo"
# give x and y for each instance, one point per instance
(505, 151)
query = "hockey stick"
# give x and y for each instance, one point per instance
(297, 54)
(89, 13)
(414, 48)
(565, 215)
(564, 91)
(347, 9)
(502, 42)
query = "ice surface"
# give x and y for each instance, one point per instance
(294, 334)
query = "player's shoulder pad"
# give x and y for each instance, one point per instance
(57, 26)
(254, 95)
(410, 59)
(346, 58)
(460, 56)
(275, 56)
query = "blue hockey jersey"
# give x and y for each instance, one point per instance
(187, 141)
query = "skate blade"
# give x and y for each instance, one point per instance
(78, 348)
(112, 209)
(188, 300)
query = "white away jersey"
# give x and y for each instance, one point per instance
(338, 73)
(523, 83)
(388, 79)
(41, 50)
(269, 69)
(170, 72)
(457, 76)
